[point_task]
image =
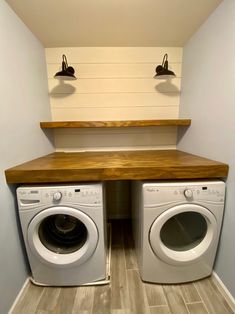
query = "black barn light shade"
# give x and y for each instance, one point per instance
(67, 72)
(162, 71)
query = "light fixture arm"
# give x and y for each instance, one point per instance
(165, 61)
(162, 71)
(67, 72)
(64, 63)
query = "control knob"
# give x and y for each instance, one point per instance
(188, 193)
(57, 196)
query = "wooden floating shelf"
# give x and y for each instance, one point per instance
(125, 165)
(114, 124)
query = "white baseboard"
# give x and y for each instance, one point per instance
(223, 290)
(18, 296)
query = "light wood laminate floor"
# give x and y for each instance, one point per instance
(127, 293)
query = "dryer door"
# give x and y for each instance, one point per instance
(62, 236)
(183, 233)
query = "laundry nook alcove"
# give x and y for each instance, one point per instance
(117, 157)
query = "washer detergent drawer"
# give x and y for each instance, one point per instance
(183, 233)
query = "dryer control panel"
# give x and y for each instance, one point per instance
(161, 193)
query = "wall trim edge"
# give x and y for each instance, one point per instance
(223, 290)
(19, 295)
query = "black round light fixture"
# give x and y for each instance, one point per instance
(67, 72)
(162, 71)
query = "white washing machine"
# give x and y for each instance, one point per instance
(64, 233)
(176, 228)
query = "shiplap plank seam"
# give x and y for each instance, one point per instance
(143, 62)
(115, 92)
(115, 78)
(115, 83)
(104, 107)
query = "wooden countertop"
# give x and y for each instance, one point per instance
(121, 165)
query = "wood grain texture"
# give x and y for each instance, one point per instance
(155, 294)
(228, 302)
(29, 300)
(114, 124)
(102, 300)
(128, 293)
(65, 301)
(175, 299)
(49, 299)
(121, 312)
(189, 293)
(212, 298)
(138, 299)
(197, 308)
(119, 291)
(126, 165)
(160, 310)
(83, 300)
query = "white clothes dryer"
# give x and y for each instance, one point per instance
(64, 233)
(176, 228)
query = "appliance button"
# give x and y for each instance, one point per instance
(57, 196)
(188, 193)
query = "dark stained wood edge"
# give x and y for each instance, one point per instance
(114, 124)
(149, 173)
(132, 165)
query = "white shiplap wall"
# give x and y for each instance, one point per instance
(114, 84)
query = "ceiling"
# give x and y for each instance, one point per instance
(121, 23)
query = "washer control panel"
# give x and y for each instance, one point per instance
(56, 195)
(81, 195)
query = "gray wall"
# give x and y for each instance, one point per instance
(208, 97)
(24, 102)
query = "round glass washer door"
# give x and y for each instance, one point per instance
(62, 236)
(183, 233)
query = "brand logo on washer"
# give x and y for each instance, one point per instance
(152, 190)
